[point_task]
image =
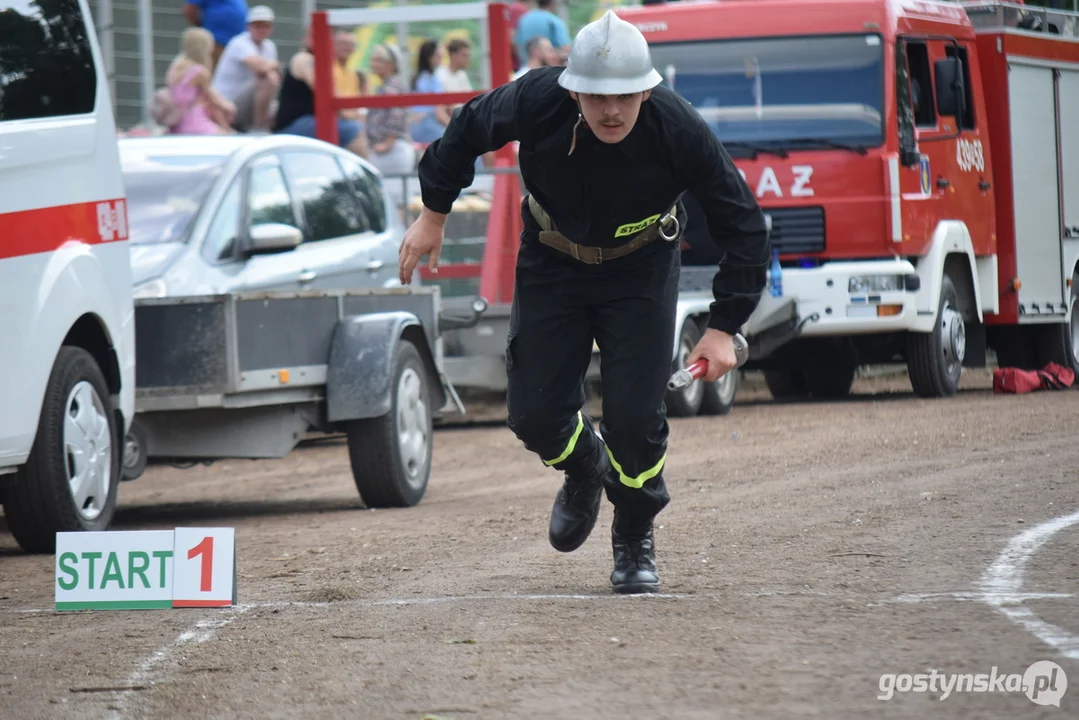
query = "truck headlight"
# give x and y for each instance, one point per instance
(875, 283)
(151, 289)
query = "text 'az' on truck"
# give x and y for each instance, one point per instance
(919, 162)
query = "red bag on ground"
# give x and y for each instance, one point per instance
(1014, 380)
(1057, 377)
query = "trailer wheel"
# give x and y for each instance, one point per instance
(935, 359)
(786, 383)
(1059, 343)
(687, 401)
(69, 483)
(391, 455)
(134, 450)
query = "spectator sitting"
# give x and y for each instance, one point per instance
(392, 152)
(225, 19)
(296, 108)
(517, 10)
(188, 78)
(428, 121)
(454, 77)
(249, 74)
(347, 83)
(542, 20)
(540, 54)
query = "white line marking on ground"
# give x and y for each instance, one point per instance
(396, 601)
(507, 596)
(1003, 582)
(984, 597)
(201, 632)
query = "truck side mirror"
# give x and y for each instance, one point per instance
(949, 75)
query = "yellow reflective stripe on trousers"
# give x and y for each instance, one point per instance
(640, 480)
(571, 444)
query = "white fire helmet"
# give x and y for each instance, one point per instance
(609, 57)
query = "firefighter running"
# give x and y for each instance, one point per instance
(605, 156)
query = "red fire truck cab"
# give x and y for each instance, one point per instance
(918, 167)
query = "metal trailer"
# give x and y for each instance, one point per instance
(247, 375)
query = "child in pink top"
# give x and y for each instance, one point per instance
(206, 112)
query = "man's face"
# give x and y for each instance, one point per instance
(461, 59)
(545, 53)
(260, 30)
(611, 117)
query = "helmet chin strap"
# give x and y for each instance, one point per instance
(580, 117)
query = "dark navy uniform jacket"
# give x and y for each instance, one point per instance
(601, 193)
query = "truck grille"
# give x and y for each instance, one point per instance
(797, 230)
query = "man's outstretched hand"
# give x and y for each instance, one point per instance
(424, 237)
(717, 347)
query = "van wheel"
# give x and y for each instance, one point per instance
(135, 459)
(69, 483)
(935, 359)
(1059, 342)
(391, 455)
(687, 401)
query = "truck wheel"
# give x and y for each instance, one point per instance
(1059, 343)
(935, 359)
(69, 483)
(829, 382)
(687, 401)
(786, 383)
(391, 455)
(134, 462)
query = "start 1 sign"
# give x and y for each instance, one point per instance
(146, 569)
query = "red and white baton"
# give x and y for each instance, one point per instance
(684, 378)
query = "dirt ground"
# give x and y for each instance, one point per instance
(809, 549)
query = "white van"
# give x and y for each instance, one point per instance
(67, 348)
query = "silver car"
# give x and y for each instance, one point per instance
(216, 214)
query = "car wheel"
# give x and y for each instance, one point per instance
(135, 459)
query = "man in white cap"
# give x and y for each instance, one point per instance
(249, 73)
(605, 155)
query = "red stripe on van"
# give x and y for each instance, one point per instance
(30, 232)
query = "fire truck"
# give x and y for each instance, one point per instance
(918, 169)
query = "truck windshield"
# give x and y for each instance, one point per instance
(164, 194)
(775, 94)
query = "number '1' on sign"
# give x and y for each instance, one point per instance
(204, 567)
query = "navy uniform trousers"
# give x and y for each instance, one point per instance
(627, 305)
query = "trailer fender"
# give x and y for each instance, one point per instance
(951, 237)
(360, 369)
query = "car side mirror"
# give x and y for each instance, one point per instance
(273, 237)
(949, 75)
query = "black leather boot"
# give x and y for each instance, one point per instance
(634, 557)
(576, 506)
